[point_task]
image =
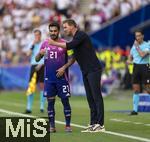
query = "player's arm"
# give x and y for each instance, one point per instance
(142, 53)
(30, 47)
(61, 70)
(130, 57)
(40, 55)
(28, 53)
(129, 60)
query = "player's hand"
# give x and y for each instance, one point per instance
(35, 41)
(42, 51)
(136, 43)
(60, 72)
(128, 62)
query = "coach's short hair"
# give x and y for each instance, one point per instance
(70, 22)
(37, 31)
(54, 24)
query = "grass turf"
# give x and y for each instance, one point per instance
(118, 100)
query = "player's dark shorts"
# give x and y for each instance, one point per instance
(140, 74)
(61, 89)
(40, 73)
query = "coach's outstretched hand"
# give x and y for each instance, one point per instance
(56, 43)
(51, 42)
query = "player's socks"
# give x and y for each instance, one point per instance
(67, 111)
(51, 112)
(135, 102)
(42, 101)
(29, 102)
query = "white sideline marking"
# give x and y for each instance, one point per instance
(16, 113)
(126, 121)
(79, 126)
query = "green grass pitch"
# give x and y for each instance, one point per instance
(120, 127)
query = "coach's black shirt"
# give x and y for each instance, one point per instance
(84, 52)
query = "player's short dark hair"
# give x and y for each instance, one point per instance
(37, 31)
(54, 24)
(139, 31)
(70, 22)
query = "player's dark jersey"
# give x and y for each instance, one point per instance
(55, 57)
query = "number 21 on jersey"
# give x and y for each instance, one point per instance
(53, 55)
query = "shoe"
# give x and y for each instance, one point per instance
(134, 113)
(88, 129)
(52, 130)
(97, 128)
(28, 112)
(68, 129)
(42, 110)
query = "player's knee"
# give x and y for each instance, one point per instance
(50, 108)
(65, 102)
(67, 107)
(51, 103)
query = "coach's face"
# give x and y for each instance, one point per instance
(67, 29)
(54, 32)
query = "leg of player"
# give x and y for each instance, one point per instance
(29, 103)
(51, 114)
(67, 113)
(136, 89)
(42, 98)
(42, 101)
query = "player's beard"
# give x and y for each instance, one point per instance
(54, 37)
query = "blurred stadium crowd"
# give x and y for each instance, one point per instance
(18, 18)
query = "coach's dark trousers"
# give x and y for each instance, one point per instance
(92, 84)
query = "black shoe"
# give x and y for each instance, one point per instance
(134, 113)
(28, 111)
(42, 110)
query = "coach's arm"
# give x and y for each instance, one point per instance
(55, 43)
(62, 69)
